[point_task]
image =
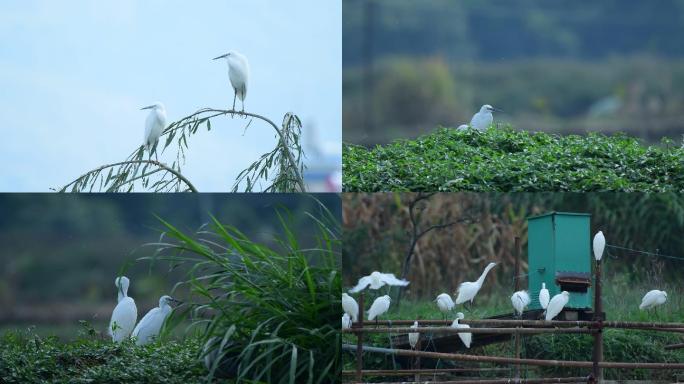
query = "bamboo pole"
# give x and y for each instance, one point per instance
(407, 372)
(468, 330)
(545, 324)
(511, 381)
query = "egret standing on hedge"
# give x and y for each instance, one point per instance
(154, 125)
(238, 72)
(149, 327)
(483, 119)
(468, 290)
(125, 313)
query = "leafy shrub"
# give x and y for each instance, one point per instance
(503, 159)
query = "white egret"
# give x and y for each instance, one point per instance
(599, 245)
(444, 303)
(379, 307)
(468, 290)
(377, 280)
(462, 127)
(413, 336)
(544, 296)
(154, 125)
(466, 338)
(346, 321)
(238, 72)
(125, 313)
(653, 299)
(520, 300)
(556, 304)
(483, 119)
(350, 306)
(149, 327)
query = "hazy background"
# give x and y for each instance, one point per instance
(74, 75)
(61, 253)
(557, 66)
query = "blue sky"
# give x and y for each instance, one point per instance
(74, 74)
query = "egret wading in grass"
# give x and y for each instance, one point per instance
(466, 338)
(413, 337)
(376, 280)
(556, 305)
(149, 327)
(483, 119)
(238, 72)
(346, 321)
(520, 301)
(444, 303)
(544, 297)
(350, 306)
(599, 245)
(653, 299)
(468, 290)
(379, 307)
(125, 313)
(154, 126)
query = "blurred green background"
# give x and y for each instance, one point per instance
(555, 66)
(60, 254)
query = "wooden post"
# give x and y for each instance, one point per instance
(516, 280)
(597, 356)
(359, 341)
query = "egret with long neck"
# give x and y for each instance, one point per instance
(468, 290)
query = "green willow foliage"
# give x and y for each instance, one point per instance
(265, 313)
(503, 159)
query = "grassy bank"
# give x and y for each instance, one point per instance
(503, 159)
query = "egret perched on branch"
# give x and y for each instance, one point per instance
(413, 336)
(379, 307)
(154, 125)
(149, 327)
(346, 321)
(238, 72)
(377, 280)
(483, 119)
(599, 245)
(350, 306)
(544, 296)
(653, 299)
(520, 300)
(444, 303)
(125, 313)
(466, 338)
(468, 290)
(556, 304)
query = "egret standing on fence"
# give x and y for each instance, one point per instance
(466, 338)
(154, 125)
(556, 304)
(653, 299)
(350, 306)
(468, 290)
(413, 337)
(544, 296)
(346, 321)
(149, 327)
(599, 245)
(379, 307)
(125, 313)
(483, 119)
(520, 300)
(238, 72)
(444, 303)
(376, 280)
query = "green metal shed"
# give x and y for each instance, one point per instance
(558, 250)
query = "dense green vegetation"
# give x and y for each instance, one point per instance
(503, 159)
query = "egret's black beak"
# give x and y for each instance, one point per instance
(178, 302)
(220, 57)
(148, 107)
(497, 110)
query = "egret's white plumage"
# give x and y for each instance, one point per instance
(544, 296)
(238, 72)
(520, 300)
(652, 299)
(154, 124)
(599, 245)
(483, 119)
(380, 306)
(556, 304)
(444, 303)
(377, 280)
(466, 338)
(462, 127)
(346, 321)
(350, 306)
(468, 290)
(125, 313)
(150, 325)
(413, 337)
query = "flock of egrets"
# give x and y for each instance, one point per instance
(466, 293)
(122, 325)
(238, 72)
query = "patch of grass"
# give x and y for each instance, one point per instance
(504, 159)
